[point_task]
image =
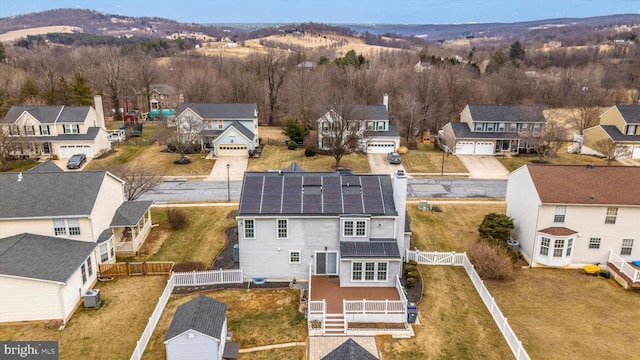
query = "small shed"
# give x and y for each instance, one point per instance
(198, 331)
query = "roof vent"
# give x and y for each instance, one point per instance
(20, 177)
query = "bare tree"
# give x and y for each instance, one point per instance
(585, 116)
(272, 68)
(548, 142)
(187, 134)
(611, 150)
(138, 178)
(343, 131)
(144, 74)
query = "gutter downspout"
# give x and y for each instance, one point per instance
(533, 247)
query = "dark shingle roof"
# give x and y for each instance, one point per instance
(316, 193)
(462, 131)
(91, 134)
(617, 136)
(105, 235)
(630, 113)
(359, 112)
(242, 129)
(163, 89)
(130, 212)
(392, 132)
(349, 350)
(44, 167)
(220, 111)
(293, 167)
(49, 194)
(507, 113)
(369, 249)
(43, 257)
(589, 185)
(49, 114)
(202, 314)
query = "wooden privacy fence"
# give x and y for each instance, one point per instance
(457, 259)
(136, 268)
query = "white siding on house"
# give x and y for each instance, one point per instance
(192, 345)
(522, 206)
(25, 300)
(394, 268)
(45, 227)
(110, 197)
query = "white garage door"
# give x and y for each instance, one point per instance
(67, 151)
(233, 150)
(636, 152)
(464, 148)
(378, 147)
(484, 148)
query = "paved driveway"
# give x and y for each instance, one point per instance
(484, 167)
(237, 167)
(379, 164)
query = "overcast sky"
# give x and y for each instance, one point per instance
(338, 11)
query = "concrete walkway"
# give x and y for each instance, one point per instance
(237, 167)
(484, 167)
(320, 346)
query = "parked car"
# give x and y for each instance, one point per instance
(76, 161)
(394, 158)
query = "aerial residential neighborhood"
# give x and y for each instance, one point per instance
(172, 190)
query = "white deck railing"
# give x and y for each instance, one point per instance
(141, 344)
(374, 306)
(209, 277)
(623, 266)
(403, 296)
(457, 259)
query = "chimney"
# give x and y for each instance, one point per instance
(400, 201)
(97, 100)
(385, 101)
(180, 98)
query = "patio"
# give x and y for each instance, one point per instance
(328, 288)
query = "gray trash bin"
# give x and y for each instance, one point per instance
(412, 313)
(236, 253)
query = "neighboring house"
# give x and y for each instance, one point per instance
(60, 131)
(86, 206)
(345, 231)
(621, 125)
(571, 215)
(161, 98)
(421, 66)
(370, 123)
(44, 277)
(224, 129)
(199, 331)
(492, 129)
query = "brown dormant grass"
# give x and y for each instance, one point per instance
(279, 157)
(427, 159)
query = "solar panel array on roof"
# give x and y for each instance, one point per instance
(251, 195)
(352, 195)
(313, 180)
(272, 195)
(292, 199)
(368, 249)
(332, 195)
(372, 195)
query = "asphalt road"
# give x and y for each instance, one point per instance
(169, 191)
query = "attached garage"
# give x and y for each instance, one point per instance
(380, 147)
(484, 148)
(464, 148)
(67, 151)
(233, 150)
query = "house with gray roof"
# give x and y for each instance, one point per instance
(619, 125)
(44, 277)
(492, 129)
(198, 330)
(56, 131)
(348, 231)
(368, 123)
(229, 129)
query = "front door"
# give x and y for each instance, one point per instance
(326, 263)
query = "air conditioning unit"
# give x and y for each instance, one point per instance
(92, 298)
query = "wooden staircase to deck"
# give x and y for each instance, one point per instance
(334, 325)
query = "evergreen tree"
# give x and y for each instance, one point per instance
(28, 91)
(516, 51)
(81, 91)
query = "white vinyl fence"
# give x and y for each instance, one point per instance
(461, 259)
(196, 278)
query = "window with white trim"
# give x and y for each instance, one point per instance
(631, 130)
(111, 250)
(71, 128)
(612, 214)
(104, 252)
(84, 273)
(44, 130)
(220, 124)
(369, 271)
(361, 228)
(558, 248)
(348, 228)
(74, 226)
(561, 211)
(282, 229)
(294, 257)
(357, 228)
(544, 246)
(594, 243)
(90, 266)
(569, 246)
(627, 246)
(58, 227)
(249, 229)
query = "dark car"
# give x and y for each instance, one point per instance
(76, 161)
(394, 158)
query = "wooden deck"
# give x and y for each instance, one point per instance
(324, 287)
(632, 285)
